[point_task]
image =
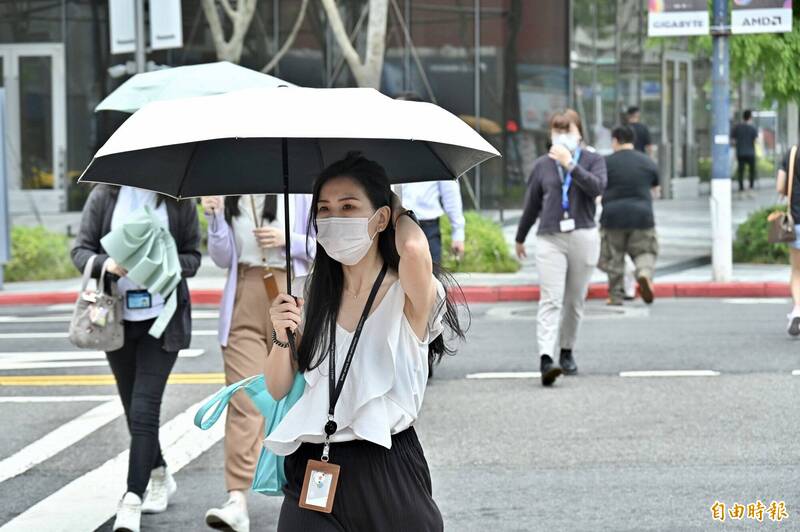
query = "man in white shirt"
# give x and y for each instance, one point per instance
(430, 201)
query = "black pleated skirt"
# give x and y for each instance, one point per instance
(386, 490)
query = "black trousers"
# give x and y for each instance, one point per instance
(386, 490)
(750, 162)
(434, 233)
(141, 368)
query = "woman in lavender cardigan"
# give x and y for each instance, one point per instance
(244, 244)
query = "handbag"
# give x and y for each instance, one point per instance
(97, 319)
(269, 477)
(781, 223)
(147, 250)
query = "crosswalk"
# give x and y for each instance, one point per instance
(41, 372)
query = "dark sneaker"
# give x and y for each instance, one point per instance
(567, 363)
(550, 371)
(794, 325)
(646, 289)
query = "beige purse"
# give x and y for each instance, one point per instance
(97, 319)
(781, 223)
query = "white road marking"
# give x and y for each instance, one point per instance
(671, 373)
(66, 318)
(56, 398)
(19, 360)
(506, 375)
(59, 439)
(796, 373)
(90, 500)
(54, 335)
(756, 301)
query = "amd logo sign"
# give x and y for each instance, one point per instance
(775, 20)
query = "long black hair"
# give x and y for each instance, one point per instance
(326, 279)
(269, 212)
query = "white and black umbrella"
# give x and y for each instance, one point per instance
(273, 141)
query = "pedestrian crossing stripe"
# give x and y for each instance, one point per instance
(102, 380)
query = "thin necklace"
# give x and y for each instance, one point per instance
(357, 294)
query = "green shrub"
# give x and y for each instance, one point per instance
(203, 227)
(38, 254)
(486, 250)
(751, 243)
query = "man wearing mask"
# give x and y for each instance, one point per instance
(627, 221)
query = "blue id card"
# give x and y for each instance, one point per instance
(138, 299)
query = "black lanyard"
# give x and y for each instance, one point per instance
(335, 388)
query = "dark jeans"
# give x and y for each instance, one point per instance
(750, 162)
(434, 234)
(141, 368)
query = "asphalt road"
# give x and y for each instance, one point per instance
(599, 451)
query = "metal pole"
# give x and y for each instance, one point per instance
(478, 93)
(721, 231)
(5, 225)
(141, 53)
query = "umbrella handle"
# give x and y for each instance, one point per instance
(288, 233)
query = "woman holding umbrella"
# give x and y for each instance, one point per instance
(246, 236)
(374, 308)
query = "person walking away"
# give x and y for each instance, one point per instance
(375, 308)
(787, 174)
(627, 222)
(245, 234)
(642, 141)
(429, 201)
(744, 136)
(561, 195)
(143, 364)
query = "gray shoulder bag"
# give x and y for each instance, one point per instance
(97, 319)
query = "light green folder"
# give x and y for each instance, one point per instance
(146, 249)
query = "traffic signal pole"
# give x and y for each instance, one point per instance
(721, 220)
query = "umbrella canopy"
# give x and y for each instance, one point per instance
(234, 143)
(183, 82)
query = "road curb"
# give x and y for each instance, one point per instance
(476, 294)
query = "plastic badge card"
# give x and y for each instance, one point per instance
(319, 486)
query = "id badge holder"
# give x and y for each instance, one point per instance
(319, 486)
(567, 225)
(138, 299)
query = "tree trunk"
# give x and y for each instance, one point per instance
(368, 72)
(298, 23)
(230, 49)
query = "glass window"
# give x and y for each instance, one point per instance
(36, 118)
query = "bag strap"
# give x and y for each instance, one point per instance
(101, 282)
(87, 273)
(219, 402)
(790, 178)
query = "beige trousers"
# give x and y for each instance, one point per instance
(249, 343)
(565, 262)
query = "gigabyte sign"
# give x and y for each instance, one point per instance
(677, 23)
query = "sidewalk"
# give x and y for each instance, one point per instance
(684, 228)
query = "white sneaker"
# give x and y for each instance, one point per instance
(129, 514)
(161, 488)
(232, 516)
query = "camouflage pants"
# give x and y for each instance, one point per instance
(640, 244)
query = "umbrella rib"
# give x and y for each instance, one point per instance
(430, 148)
(186, 170)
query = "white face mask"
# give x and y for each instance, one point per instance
(345, 240)
(569, 140)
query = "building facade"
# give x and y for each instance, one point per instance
(508, 62)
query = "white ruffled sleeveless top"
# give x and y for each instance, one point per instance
(383, 392)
